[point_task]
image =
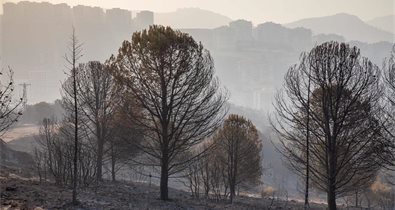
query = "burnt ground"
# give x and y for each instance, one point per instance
(27, 193)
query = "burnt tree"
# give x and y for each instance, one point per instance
(238, 148)
(346, 140)
(172, 78)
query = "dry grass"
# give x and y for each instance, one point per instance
(20, 132)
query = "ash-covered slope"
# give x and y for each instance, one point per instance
(14, 159)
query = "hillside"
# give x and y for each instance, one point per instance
(13, 159)
(386, 23)
(346, 25)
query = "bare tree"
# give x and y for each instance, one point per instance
(193, 178)
(10, 109)
(216, 176)
(389, 81)
(126, 134)
(75, 53)
(172, 78)
(239, 147)
(104, 120)
(346, 143)
(39, 160)
(197, 176)
(47, 138)
(307, 167)
(86, 161)
(55, 154)
(97, 99)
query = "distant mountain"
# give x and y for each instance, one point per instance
(348, 26)
(376, 52)
(191, 18)
(386, 23)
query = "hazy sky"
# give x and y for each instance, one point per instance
(281, 11)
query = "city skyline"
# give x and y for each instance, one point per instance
(283, 11)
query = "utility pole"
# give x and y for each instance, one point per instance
(24, 97)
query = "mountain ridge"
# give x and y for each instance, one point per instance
(386, 23)
(349, 26)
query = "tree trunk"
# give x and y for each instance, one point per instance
(75, 56)
(99, 160)
(306, 195)
(331, 155)
(331, 200)
(233, 166)
(45, 168)
(113, 173)
(39, 174)
(232, 188)
(331, 195)
(75, 166)
(232, 193)
(164, 178)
